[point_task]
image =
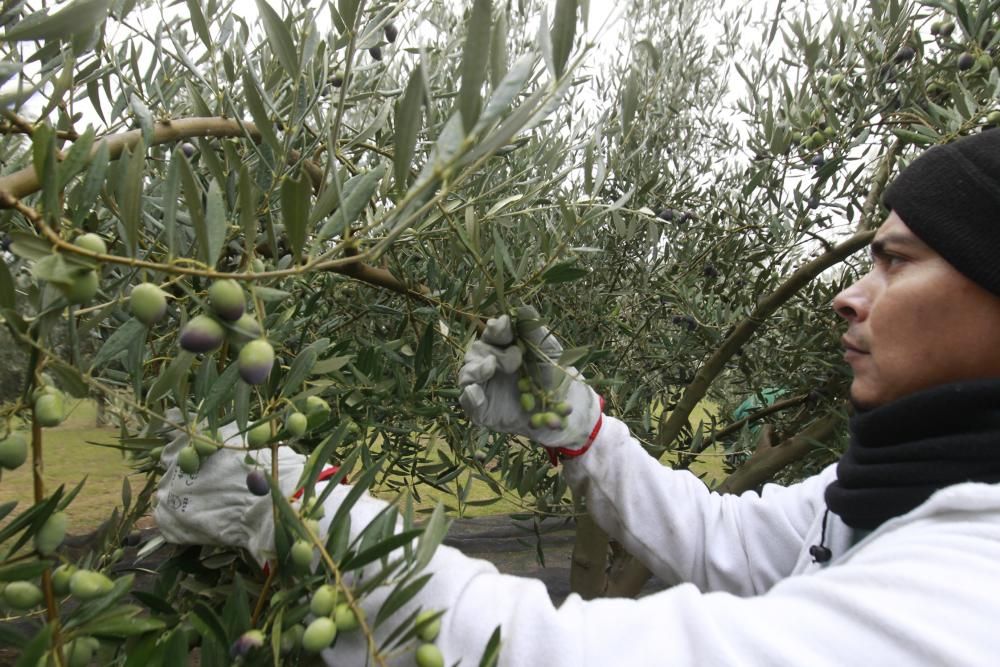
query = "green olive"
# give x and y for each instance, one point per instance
(91, 242)
(324, 600)
(291, 638)
(345, 618)
(204, 446)
(429, 655)
(83, 288)
(22, 595)
(148, 303)
(60, 578)
(315, 405)
(244, 329)
(49, 409)
(81, 651)
(13, 451)
(428, 627)
(563, 408)
(188, 460)
(87, 584)
(319, 635)
(259, 435)
(296, 423)
(302, 555)
(51, 534)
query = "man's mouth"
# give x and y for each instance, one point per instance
(851, 347)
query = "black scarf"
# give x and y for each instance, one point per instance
(903, 452)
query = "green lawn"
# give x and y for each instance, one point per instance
(68, 457)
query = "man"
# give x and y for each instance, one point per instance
(891, 557)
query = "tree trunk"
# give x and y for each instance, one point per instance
(587, 575)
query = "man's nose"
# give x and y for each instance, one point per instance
(852, 302)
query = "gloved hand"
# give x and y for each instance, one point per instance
(214, 505)
(512, 384)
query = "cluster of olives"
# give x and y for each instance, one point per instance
(391, 32)
(332, 617)
(67, 579)
(967, 61)
(296, 423)
(819, 132)
(942, 28)
(547, 411)
(190, 457)
(206, 332)
(428, 625)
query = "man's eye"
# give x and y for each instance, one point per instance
(892, 261)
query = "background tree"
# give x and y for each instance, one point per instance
(680, 211)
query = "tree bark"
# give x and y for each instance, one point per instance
(588, 576)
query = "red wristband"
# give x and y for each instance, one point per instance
(558, 453)
(326, 474)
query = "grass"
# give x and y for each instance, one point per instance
(69, 456)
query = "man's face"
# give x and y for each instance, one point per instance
(914, 321)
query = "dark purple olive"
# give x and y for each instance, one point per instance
(966, 61)
(376, 52)
(391, 32)
(256, 359)
(188, 149)
(257, 483)
(202, 334)
(666, 214)
(817, 160)
(905, 54)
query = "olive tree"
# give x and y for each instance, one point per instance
(267, 223)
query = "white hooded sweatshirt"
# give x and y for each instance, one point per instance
(922, 589)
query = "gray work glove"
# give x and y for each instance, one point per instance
(214, 506)
(495, 388)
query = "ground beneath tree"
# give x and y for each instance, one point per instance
(513, 547)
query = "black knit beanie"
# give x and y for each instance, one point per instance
(950, 198)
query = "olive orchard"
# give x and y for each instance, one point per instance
(301, 230)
